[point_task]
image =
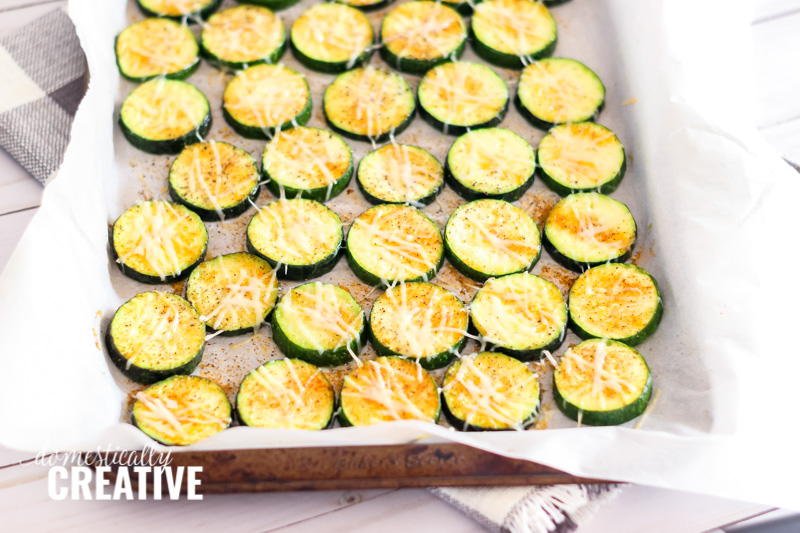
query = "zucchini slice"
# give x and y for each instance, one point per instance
(601, 382)
(156, 47)
(162, 116)
(581, 157)
(366, 5)
(189, 10)
(520, 315)
(300, 238)
(391, 243)
(182, 410)
(307, 163)
(490, 238)
(332, 38)
(458, 96)
(419, 321)
(158, 242)
(216, 180)
(559, 91)
(286, 394)
(463, 7)
(274, 5)
(490, 391)
(615, 301)
(264, 99)
(418, 36)
(319, 323)
(234, 293)
(388, 389)
(369, 104)
(490, 163)
(155, 335)
(587, 229)
(400, 173)
(242, 36)
(513, 33)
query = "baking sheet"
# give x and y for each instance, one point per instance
(708, 195)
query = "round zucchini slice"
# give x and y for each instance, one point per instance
(158, 242)
(559, 91)
(400, 174)
(264, 99)
(188, 10)
(490, 391)
(458, 96)
(300, 238)
(418, 36)
(182, 410)
(307, 163)
(587, 229)
(233, 293)
(216, 180)
(601, 382)
(155, 335)
(366, 5)
(319, 323)
(490, 238)
(286, 394)
(615, 301)
(242, 36)
(419, 321)
(162, 116)
(490, 163)
(521, 315)
(513, 33)
(156, 47)
(274, 5)
(369, 104)
(332, 38)
(392, 243)
(388, 389)
(581, 157)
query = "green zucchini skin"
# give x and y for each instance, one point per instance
(321, 194)
(522, 355)
(463, 8)
(274, 5)
(469, 194)
(504, 60)
(203, 13)
(425, 200)
(371, 279)
(298, 272)
(451, 129)
(580, 266)
(221, 64)
(337, 357)
(365, 138)
(474, 274)
(328, 67)
(605, 418)
(180, 75)
(369, 7)
(543, 124)
(152, 280)
(144, 375)
(433, 362)
(210, 215)
(561, 190)
(418, 67)
(168, 146)
(460, 425)
(254, 132)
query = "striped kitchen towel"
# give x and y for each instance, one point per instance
(42, 81)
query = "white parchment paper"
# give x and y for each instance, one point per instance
(714, 204)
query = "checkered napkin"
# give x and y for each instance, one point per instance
(42, 81)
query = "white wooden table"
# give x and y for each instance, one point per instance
(24, 503)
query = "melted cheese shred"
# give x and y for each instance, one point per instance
(559, 90)
(243, 34)
(400, 173)
(175, 8)
(266, 96)
(581, 156)
(388, 389)
(307, 158)
(159, 239)
(182, 410)
(516, 27)
(491, 160)
(333, 33)
(155, 47)
(163, 109)
(423, 31)
(491, 391)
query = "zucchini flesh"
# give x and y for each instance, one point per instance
(286, 394)
(388, 389)
(512, 33)
(234, 293)
(216, 180)
(490, 391)
(182, 410)
(458, 96)
(300, 238)
(521, 315)
(601, 382)
(307, 163)
(587, 229)
(332, 37)
(264, 99)
(155, 335)
(400, 173)
(490, 238)
(319, 323)
(615, 301)
(179, 9)
(491, 163)
(419, 35)
(391, 243)
(419, 321)
(369, 104)
(242, 36)
(156, 47)
(158, 242)
(581, 157)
